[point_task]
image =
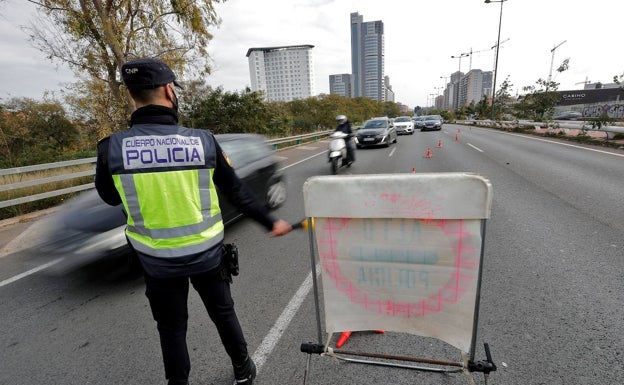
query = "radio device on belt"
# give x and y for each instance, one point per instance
(230, 255)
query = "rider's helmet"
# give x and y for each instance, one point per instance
(341, 119)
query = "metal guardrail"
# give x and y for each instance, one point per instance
(296, 140)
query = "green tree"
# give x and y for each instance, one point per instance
(482, 109)
(540, 103)
(96, 37)
(541, 100)
(391, 109)
(224, 112)
(503, 98)
(35, 132)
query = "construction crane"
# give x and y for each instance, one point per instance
(481, 50)
(586, 82)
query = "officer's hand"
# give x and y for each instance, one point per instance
(281, 227)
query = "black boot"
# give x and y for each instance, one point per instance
(245, 373)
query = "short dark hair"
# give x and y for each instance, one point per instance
(146, 95)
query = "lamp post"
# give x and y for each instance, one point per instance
(500, 20)
(460, 56)
(444, 102)
(435, 103)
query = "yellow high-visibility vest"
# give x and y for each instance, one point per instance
(163, 174)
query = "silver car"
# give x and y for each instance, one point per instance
(404, 125)
(376, 132)
(432, 123)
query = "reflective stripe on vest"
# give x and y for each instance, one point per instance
(172, 211)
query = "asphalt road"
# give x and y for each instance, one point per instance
(551, 310)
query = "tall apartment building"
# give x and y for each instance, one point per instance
(454, 90)
(340, 84)
(464, 89)
(283, 73)
(367, 58)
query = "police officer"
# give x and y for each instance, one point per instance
(166, 177)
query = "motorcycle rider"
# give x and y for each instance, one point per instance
(345, 126)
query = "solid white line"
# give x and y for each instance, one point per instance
(559, 143)
(475, 147)
(303, 160)
(272, 338)
(29, 272)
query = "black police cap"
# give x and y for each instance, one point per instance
(147, 73)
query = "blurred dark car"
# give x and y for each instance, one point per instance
(418, 122)
(376, 132)
(431, 123)
(86, 229)
(568, 115)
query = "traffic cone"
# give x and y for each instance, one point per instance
(456, 137)
(344, 336)
(413, 169)
(428, 154)
(440, 143)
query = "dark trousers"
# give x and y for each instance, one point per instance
(168, 301)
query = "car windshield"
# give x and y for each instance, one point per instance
(402, 120)
(243, 151)
(432, 117)
(376, 124)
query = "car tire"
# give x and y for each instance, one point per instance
(276, 194)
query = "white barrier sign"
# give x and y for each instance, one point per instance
(405, 258)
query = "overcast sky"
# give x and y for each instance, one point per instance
(420, 38)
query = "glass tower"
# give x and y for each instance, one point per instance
(367, 58)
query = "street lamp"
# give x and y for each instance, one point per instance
(500, 20)
(456, 100)
(444, 106)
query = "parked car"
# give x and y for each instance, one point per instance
(404, 125)
(376, 132)
(431, 123)
(86, 229)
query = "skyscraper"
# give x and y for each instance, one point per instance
(340, 84)
(283, 73)
(367, 58)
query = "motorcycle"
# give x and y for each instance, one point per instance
(338, 151)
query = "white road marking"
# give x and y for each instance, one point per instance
(392, 152)
(475, 147)
(559, 143)
(303, 160)
(272, 338)
(29, 272)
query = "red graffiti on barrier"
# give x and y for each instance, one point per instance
(465, 264)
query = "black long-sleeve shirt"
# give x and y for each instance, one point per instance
(224, 177)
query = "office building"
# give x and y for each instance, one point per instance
(340, 84)
(282, 73)
(367, 58)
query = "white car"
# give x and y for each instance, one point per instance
(404, 125)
